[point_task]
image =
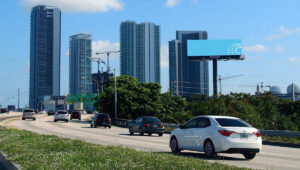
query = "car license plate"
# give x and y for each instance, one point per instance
(155, 126)
(244, 135)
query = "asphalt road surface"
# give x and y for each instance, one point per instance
(271, 157)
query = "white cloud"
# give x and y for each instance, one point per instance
(283, 32)
(72, 6)
(279, 48)
(104, 46)
(256, 48)
(172, 3)
(164, 56)
(294, 60)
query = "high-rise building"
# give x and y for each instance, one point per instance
(80, 65)
(45, 42)
(187, 77)
(140, 51)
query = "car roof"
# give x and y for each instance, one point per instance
(218, 116)
(147, 117)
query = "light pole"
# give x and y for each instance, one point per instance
(116, 99)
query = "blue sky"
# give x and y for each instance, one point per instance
(269, 30)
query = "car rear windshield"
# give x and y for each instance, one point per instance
(226, 122)
(28, 111)
(103, 116)
(151, 119)
(62, 112)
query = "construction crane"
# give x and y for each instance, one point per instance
(98, 60)
(225, 78)
(107, 54)
(259, 86)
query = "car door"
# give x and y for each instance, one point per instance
(135, 126)
(200, 133)
(185, 134)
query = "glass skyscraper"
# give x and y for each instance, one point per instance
(80, 65)
(140, 51)
(187, 77)
(45, 42)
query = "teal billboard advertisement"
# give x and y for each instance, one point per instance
(214, 48)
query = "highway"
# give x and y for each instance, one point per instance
(271, 157)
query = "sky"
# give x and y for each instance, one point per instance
(269, 30)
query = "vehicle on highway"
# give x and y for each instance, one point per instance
(101, 119)
(75, 115)
(61, 115)
(28, 114)
(42, 112)
(217, 134)
(4, 110)
(147, 124)
(51, 112)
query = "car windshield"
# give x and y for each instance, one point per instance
(28, 111)
(62, 112)
(227, 122)
(151, 119)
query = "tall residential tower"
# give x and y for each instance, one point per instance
(80, 65)
(187, 77)
(45, 41)
(140, 51)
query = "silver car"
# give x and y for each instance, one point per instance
(28, 114)
(61, 115)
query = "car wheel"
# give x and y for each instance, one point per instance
(141, 132)
(130, 131)
(109, 127)
(91, 125)
(67, 121)
(33, 118)
(55, 120)
(79, 118)
(209, 149)
(150, 134)
(249, 155)
(174, 145)
(160, 134)
(23, 118)
(95, 126)
(70, 118)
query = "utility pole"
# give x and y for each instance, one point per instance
(18, 98)
(116, 111)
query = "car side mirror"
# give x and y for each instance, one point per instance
(181, 126)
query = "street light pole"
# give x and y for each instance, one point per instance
(116, 111)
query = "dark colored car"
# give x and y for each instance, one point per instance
(4, 110)
(51, 112)
(147, 124)
(101, 119)
(75, 115)
(90, 112)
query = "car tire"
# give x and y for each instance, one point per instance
(23, 118)
(130, 131)
(141, 132)
(67, 121)
(174, 145)
(209, 149)
(79, 118)
(70, 118)
(55, 120)
(150, 134)
(95, 126)
(249, 155)
(160, 134)
(33, 119)
(109, 127)
(91, 125)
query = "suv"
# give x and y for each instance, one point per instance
(61, 115)
(101, 119)
(75, 115)
(28, 114)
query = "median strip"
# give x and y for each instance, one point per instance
(34, 151)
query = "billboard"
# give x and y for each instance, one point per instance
(214, 49)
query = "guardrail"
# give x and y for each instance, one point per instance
(125, 123)
(280, 133)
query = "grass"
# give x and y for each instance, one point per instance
(34, 151)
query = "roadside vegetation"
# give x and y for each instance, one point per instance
(34, 151)
(135, 99)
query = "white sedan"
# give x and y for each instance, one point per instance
(216, 134)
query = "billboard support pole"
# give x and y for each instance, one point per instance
(215, 77)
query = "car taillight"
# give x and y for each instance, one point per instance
(226, 132)
(162, 125)
(257, 133)
(109, 120)
(147, 124)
